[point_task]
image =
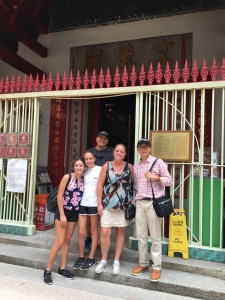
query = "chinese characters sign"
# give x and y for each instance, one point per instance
(57, 135)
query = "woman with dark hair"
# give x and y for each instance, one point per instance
(66, 216)
(88, 209)
(114, 186)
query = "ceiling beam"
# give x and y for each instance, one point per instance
(22, 35)
(18, 62)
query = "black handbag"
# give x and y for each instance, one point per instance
(163, 205)
(130, 212)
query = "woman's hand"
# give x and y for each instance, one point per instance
(63, 220)
(100, 210)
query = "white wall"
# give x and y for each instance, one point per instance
(208, 30)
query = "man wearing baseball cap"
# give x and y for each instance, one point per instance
(101, 151)
(146, 218)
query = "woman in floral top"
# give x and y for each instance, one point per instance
(68, 198)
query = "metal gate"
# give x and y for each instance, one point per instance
(17, 209)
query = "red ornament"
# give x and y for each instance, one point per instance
(37, 83)
(30, 83)
(64, 81)
(93, 79)
(142, 75)
(167, 74)
(117, 77)
(71, 81)
(195, 72)
(133, 76)
(214, 70)
(86, 79)
(78, 80)
(185, 73)
(18, 84)
(108, 78)
(150, 75)
(158, 74)
(50, 82)
(101, 79)
(57, 82)
(176, 73)
(24, 85)
(125, 76)
(222, 69)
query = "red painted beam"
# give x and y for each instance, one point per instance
(18, 62)
(24, 37)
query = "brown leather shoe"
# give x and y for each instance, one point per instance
(156, 274)
(138, 270)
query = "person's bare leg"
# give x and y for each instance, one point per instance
(60, 232)
(105, 241)
(65, 246)
(94, 233)
(120, 239)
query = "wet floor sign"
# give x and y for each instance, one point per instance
(178, 234)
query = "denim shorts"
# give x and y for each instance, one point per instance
(71, 215)
(88, 210)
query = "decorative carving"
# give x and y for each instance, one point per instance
(117, 77)
(158, 74)
(133, 76)
(71, 81)
(93, 59)
(101, 79)
(150, 75)
(108, 78)
(86, 79)
(162, 50)
(185, 73)
(142, 75)
(93, 80)
(176, 73)
(214, 70)
(125, 76)
(43, 83)
(194, 72)
(204, 71)
(124, 57)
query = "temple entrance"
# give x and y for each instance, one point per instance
(117, 117)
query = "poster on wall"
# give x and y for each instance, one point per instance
(16, 175)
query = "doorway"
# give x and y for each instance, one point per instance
(117, 117)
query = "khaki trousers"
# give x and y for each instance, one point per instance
(147, 221)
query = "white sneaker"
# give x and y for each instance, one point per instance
(116, 269)
(100, 267)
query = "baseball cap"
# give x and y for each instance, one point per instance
(143, 140)
(103, 133)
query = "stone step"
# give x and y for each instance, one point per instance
(172, 281)
(44, 240)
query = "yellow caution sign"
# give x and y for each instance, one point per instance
(178, 234)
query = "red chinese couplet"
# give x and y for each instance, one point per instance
(57, 133)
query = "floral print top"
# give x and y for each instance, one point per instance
(117, 189)
(73, 194)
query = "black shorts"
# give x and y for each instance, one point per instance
(71, 215)
(88, 210)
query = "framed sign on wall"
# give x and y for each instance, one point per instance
(172, 145)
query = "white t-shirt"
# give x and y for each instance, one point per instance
(89, 197)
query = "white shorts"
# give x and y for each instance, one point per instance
(114, 218)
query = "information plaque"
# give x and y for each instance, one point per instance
(172, 145)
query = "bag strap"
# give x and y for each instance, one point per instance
(166, 188)
(69, 179)
(154, 162)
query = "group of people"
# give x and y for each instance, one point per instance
(100, 187)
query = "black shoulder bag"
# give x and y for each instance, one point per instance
(163, 205)
(52, 198)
